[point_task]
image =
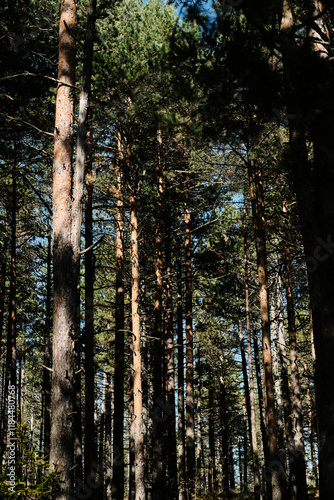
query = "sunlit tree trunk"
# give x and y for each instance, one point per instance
(118, 429)
(253, 430)
(273, 468)
(138, 426)
(65, 328)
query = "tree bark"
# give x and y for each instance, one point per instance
(314, 188)
(170, 373)
(47, 357)
(158, 489)
(273, 468)
(118, 429)
(65, 328)
(138, 427)
(190, 423)
(180, 387)
(253, 431)
(298, 480)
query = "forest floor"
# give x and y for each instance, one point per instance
(313, 494)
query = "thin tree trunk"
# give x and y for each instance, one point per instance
(90, 450)
(245, 442)
(253, 431)
(199, 441)
(256, 192)
(65, 328)
(157, 465)
(180, 385)
(118, 429)
(212, 440)
(299, 485)
(266, 486)
(190, 423)
(47, 357)
(11, 391)
(170, 374)
(107, 438)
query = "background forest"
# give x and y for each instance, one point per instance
(166, 250)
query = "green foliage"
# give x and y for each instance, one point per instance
(33, 479)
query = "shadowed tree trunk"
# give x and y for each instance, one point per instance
(170, 374)
(157, 462)
(180, 385)
(47, 357)
(314, 193)
(299, 485)
(190, 424)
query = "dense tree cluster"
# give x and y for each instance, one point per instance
(166, 250)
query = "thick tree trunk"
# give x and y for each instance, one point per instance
(118, 429)
(273, 468)
(314, 190)
(65, 328)
(138, 426)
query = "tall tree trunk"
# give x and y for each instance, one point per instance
(138, 426)
(180, 387)
(299, 485)
(256, 192)
(266, 486)
(46, 390)
(245, 442)
(284, 378)
(107, 439)
(224, 431)
(212, 440)
(90, 450)
(170, 373)
(157, 465)
(314, 190)
(199, 441)
(253, 431)
(3, 284)
(65, 328)
(11, 392)
(190, 423)
(118, 429)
